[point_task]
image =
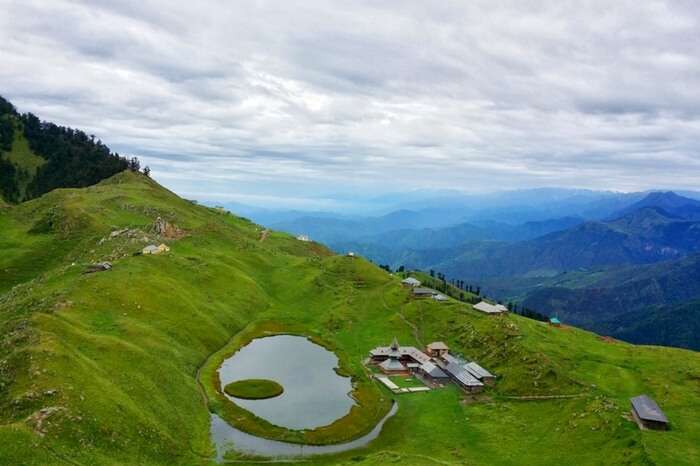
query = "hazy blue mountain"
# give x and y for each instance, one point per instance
(418, 248)
(476, 217)
(646, 235)
(639, 303)
(670, 202)
(332, 230)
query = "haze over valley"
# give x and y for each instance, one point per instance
(352, 233)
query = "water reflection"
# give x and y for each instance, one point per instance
(314, 394)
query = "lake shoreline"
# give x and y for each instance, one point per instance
(371, 404)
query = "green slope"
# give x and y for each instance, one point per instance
(38, 156)
(102, 368)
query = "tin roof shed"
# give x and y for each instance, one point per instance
(647, 409)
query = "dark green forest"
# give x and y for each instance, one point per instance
(73, 159)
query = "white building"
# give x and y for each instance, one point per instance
(489, 308)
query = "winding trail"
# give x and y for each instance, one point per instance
(543, 397)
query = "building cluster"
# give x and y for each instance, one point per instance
(423, 292)
(434, 365)
(419, 291)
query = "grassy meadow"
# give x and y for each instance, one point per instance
(103, 368)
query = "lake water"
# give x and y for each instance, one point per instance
(314, 395)
(227, 438)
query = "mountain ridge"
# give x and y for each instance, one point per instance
(101, 367)
(37, 156)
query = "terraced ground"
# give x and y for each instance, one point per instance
(102, 368)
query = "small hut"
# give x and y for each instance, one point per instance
(647, 413)
(437, 349)
(421, 292)
(488, 308)
(410, 282)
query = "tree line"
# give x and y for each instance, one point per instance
(73, 159)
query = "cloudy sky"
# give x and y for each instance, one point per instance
(256, 101)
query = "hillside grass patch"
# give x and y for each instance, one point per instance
(254, 389)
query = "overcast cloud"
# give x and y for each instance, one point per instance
(258, 99)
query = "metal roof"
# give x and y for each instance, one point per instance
(410, 281)
(477, 371)
(437, 345)
(392, 364)
(410, 351)
(647, 409)
(451, 359)
(489, 308)
(423, 290)
(440, 297)
(464, 377)
(432, 370)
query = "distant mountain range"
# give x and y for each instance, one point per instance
(618, 264)
(645, 235)
(657, 303)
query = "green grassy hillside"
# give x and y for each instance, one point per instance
(102, 368)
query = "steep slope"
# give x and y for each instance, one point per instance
(102, 368)
(645, 235)
(638, 303)
(37, 156)
(668, 201)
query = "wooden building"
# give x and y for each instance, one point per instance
(422, 292)
(437, 349)
(647, 413)
(396, 359)
(480, 373)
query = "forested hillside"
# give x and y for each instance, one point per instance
(648, 304)
(37, 156)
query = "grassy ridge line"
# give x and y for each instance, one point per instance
(106, 332)
(371, 406)
(120, 350)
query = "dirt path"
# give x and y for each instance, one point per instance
(264, 234)
(543, 397)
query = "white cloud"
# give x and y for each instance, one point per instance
(257, 98)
